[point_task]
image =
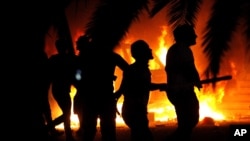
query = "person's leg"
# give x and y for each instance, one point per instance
(138, 124)
(78, 110)
(67, 124)
(89, 122)
(65, 104)
(143, 131)
(107, 121)
(192, 114)
(187, 112)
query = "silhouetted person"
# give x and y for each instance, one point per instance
(97, 92)
(135, 87)
(43, 94)
(83, 46)
(40, 94)
(62, 72)
(182, 77)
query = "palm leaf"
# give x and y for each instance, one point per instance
(111, 20)
(63, 31)
(246, 16)
(219, 29)
(183, 12)
(158, 5)
(179, 11)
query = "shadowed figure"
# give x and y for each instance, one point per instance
(43, 93)
(135, 87)
(84, 47)
(96, 90)
(62, 69)
(182, 77)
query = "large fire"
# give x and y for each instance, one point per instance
(160, 109)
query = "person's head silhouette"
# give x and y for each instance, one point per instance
(82, 43)
(140, 50)
(62, 46)
(185, 34)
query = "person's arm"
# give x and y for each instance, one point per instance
(158, 86)
(121, 89)
(118, 93)
(191, 71)
(121, 63)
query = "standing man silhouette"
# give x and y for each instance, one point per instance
(182, 77)
(43, 93)
(135, 87)
(83, 62)
(62, 72)
(96, 89)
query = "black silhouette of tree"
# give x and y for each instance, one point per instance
(225, 18)
(112, 19)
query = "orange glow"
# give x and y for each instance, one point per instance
(208, 103)
(161, 50)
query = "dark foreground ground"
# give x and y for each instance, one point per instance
(203, 132)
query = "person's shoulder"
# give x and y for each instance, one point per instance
(116, 55)
(130, 69)
(52, 57)
(73, 57)
(172, 49)
(120, 60)
(133, 66)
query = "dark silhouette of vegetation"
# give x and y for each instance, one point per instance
(225, 18)
(179, 12)
(111, 20)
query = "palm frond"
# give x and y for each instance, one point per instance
(158, 5)
(179, 12)
(111, 20)
(63, 31)
(247, 31)
(246, 16)
(192, 10)
(218, 33)
(183, 12)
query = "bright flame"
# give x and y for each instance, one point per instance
(161, 50)
(208, 102)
